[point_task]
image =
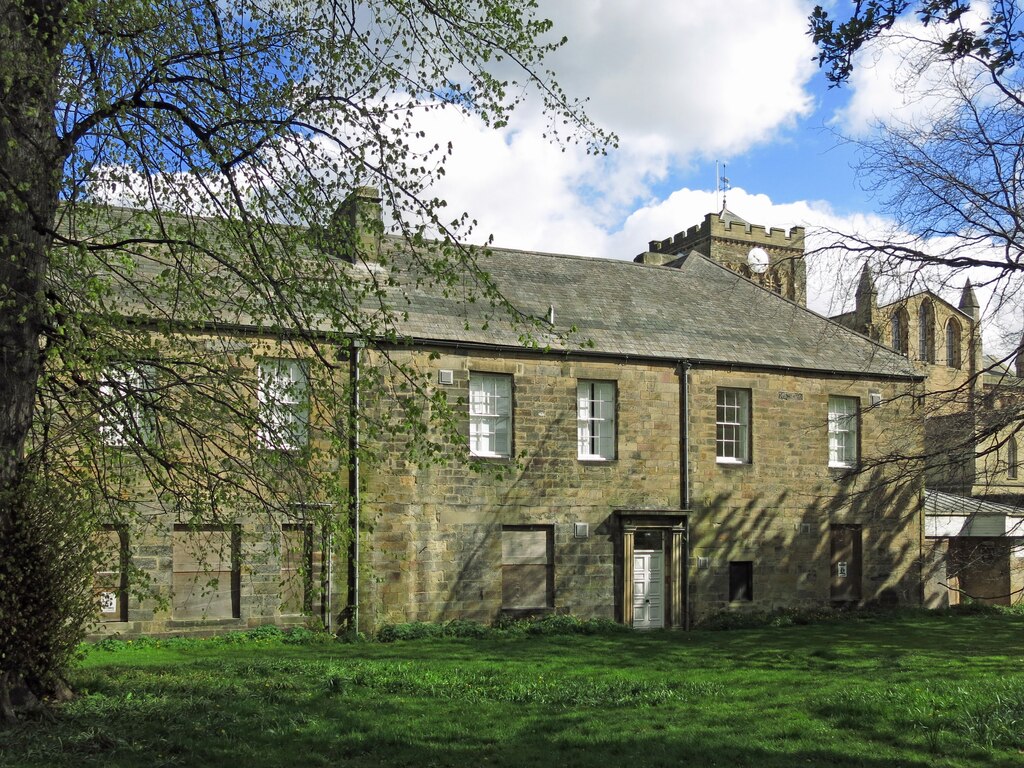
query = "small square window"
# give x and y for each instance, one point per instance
(595, 420)
(490, 415)
(843, 414)
(741, 581)
(732, 423)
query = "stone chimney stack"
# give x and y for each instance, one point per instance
(357, 226)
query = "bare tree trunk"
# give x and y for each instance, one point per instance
(30, 172)
(31, 162)
(6, 707)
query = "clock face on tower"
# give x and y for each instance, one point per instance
(758, 260)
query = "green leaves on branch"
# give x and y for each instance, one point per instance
(994, 39)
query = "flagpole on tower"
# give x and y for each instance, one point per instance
(721, 186)
(718, 188)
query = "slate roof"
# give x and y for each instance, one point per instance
(998, 374)
(728, 217)
(947, 515)
(940, 503)
(699, 312)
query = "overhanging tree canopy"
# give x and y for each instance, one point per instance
(228, 132)
(949, 171)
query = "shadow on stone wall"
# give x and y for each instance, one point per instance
(787, 536)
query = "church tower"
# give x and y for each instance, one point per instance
(772, 257)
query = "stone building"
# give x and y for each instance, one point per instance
(681, 439)
(772, 258)
(971, 405)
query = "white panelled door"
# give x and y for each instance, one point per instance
(648, 590)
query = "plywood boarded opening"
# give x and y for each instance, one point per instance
(982, 568)
(111, 581)
(205, 578)
(301, 570)
(527, 567)
(846, 563)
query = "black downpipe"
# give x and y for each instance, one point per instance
(684, 474)
(353, 486)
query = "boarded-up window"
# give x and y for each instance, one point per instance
(846, 562)
(527, 567)
(301, 569)
(205, 572)
(110, 584)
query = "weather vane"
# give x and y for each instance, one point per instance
(722, 185)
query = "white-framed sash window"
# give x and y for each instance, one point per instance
(732, 426)
(595, 420)
(490, 415)
(842, 431)
(284, 404)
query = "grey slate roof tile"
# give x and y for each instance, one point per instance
(699, 311)
(941, 503)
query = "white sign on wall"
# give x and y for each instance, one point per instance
(108, 602)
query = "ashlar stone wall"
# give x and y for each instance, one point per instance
(241, 581)
(778, 510)
(435, 552)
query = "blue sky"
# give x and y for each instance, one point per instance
(683, 85)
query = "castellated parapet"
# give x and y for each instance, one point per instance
(730, 228)
(728, 239)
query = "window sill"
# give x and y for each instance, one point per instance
(490, 457)
(842, 468)
(731, 462)
(595, 460)
(211, 623)
(288, 450)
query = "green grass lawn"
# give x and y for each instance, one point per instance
(915, 691)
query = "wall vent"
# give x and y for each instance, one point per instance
(445, 377)
(875, 398)
(581, 530)
(703, 563)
